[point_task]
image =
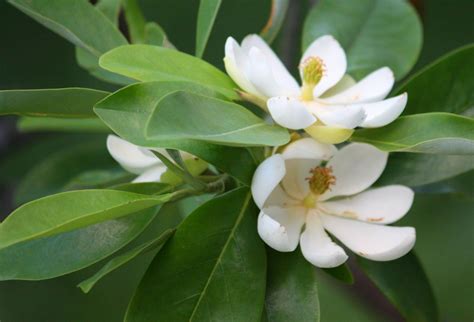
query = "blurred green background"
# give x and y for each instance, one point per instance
(33, 57)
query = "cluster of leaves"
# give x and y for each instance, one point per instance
(212, 265)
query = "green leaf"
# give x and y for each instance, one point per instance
(127, 111)
(374, 33)
(97, 179)
(90, 29)
(155, 35)
(443, 86)
(53, 256)
(152, 63)
(51, 124)
(404, 283)
(71, 210)
(90, 63)
(207, 14)
(342, 273)
(182, 115)
(135, 21)
(275, 21)
(110, 8)
(437, 133)
(123, 259)
(61, 102)
(204, 266)
(292, 293)
(52, 173)
(414, 170)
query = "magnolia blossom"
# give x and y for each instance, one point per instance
(328, 104)
(311, 188)
(144, 163)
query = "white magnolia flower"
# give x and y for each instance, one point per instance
(145, 164)
(312, 187)
(328, 105)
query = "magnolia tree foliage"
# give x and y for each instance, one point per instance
(244, 179)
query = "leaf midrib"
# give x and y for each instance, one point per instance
(231, 236)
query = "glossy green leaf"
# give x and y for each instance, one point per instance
(54, 171)
(292, 288)
(90, 28)
(127, 111)
(52, 124)
(342, 273)
(152, 63)
(123, 259)
(437, 133)
(97, 179)
(374, 33)
(414, 170)
(53, 256)
(182, 115)
(275, 21)
(61, 102)
(135, 21)
(443, 86)
(204, 266)
(207, 13)
(404, 283)
(90, 63)
(71, 210)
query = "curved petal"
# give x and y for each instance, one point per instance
(308, 148)
(317, 247)
(334, 58)
(375, 242)
(237, 64)
(280, 228)
(343, 116)
(279, 70)
(329, 134)
(131, 157)
(374, 87)
(267, 176)
(345, 82)
(384, 112)
(356, 167)
(151, 175)
(380, 206)
(289, 112)
(295, 182)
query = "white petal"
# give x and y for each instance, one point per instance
(290, 113)
(374, 87)
(384, 112)
(342, 116)
(262, 76)
(375, 242)
(151, 175)
(345, 82)
(279, 70)
(267, 176)
(308, 148)
(131, 157)
(380, 205)
(295, 182)
(236, 64)
(316, 245)
(356, 167)
(334, 58)
(280, 228)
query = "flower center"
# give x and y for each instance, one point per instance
(312, 70)
(320, 181)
